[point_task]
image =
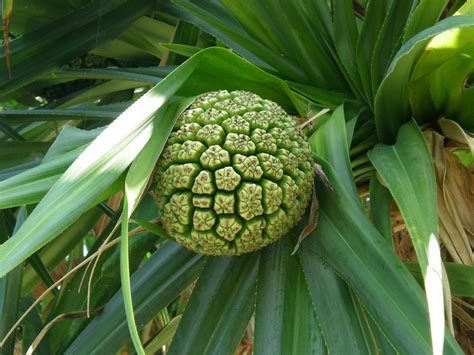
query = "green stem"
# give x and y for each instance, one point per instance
(359, 161)
(125, 278)
(364, 146)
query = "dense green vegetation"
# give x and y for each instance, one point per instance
(90, 92)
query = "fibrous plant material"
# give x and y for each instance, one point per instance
(236, 174)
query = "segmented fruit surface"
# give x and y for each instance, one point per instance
(236, 174)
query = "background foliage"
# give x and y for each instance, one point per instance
(90, 91)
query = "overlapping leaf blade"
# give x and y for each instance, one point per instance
(24, 116)
(438, 83)
(104, 282)
(31, 185)
(14, 153)
(65, 38)
(167, 273)
(220, 307)
(335, 147)
(56, 251)
(285, 318)
(387, 290)
(216, 20)
(345, 41)
(407, 170)
(10, 287)
(347, 241)
(45, 12)
(374, 17)
(389, 39)
(381, 208)
(342, 252)
(334, 306)
(286, 49)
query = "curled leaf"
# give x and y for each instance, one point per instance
(312, 222)
(322, 176)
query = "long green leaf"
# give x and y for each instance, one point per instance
(57, 250)
(140, 44)
(335, 147)
(426, 14)
(326, 98)
(150, 75)
(184, 43)
(31, 14)
(25, 116)
(10, 287)
(135, 184)
(334, 306)
(407, 170)
(345, 41)
(375, 338)
(331, 140)
(347, 241)
(96, 92)
(374, 17)
(31, 185)
(304, 43)
(15, 155)
(146, 34)
(81, 176)
(389, 39)
(285, 318)
(105, 283)
(182, 49)
(381, 208)
(220, 307)
(216, 20)
(392, 111)
(125, 282)
(17, 169)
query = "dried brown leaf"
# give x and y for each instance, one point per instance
(455, 190)
(323, 178)
(312, 223)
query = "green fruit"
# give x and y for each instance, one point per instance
(236, 174)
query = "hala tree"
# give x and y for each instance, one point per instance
(82, 142)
